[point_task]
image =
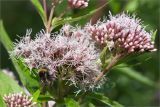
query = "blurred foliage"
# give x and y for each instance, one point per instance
(9, 86)
(17, 16)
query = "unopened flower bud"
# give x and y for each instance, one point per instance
(78, 3)
(18, 100)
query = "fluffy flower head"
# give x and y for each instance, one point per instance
(70, 51)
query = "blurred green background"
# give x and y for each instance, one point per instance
(18, 15)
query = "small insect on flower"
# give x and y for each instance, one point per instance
(71, 48)
(44, 75)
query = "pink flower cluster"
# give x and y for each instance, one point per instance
(18, 100)
(78, 3)
(98, 32)
(71, 48)
(126, 32)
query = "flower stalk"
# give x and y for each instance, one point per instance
(50, 20)
(110, 65)
(45, 11)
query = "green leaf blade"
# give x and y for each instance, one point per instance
(71, 102)
(8, 85)
(105, 100)
(154, 35)
(45, 98)
(129, 72)
(24, 73)
(91, 105)
(4, 38)
(36, 95)
(39, 8)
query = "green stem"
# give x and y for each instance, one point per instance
(59, 88)
(59, 99)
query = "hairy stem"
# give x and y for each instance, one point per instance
(111, 64)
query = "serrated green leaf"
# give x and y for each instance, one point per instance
(71, 102)
(39, 8)
(70, 20)
(134, 75)
(104, 99)
(8, 85)
(30, 83)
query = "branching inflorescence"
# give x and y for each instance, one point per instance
(123, 35)
(125, 32)
(70, 53)
(70, 56)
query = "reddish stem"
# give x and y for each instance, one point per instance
(111, 64)
(45, 11)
